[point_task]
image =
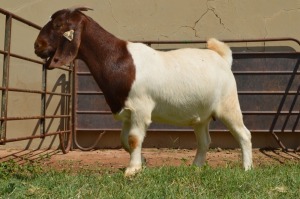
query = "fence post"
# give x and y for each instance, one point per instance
(43, 101)
(5, 79)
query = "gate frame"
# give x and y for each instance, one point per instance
(277, 113)
(64, 136)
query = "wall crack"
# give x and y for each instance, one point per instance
(209, 9)
(112, 13)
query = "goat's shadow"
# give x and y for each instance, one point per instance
(36, 154)
(292, 107)
(273, 154)
(62, 106)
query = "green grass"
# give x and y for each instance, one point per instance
(31, 181)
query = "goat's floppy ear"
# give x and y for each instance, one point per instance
(67, 49)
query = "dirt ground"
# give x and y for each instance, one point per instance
(115, 159)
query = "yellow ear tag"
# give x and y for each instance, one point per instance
(69, 35)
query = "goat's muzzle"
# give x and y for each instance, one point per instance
(44, 52)
(41, 50)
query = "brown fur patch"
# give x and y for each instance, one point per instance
(109, 62)
(106, 56)
(132, 141)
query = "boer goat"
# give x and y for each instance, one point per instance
(186, 87)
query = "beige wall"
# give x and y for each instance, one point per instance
(178, 20)
(137, 20)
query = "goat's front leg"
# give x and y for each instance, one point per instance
(135, 139)
(140, 119)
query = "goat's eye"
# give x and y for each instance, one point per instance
(57, 26)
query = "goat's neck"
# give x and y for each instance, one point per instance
(97, 48)
(110, 63)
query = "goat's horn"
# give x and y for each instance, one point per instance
(80, 8)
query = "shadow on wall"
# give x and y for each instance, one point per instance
(54, 106)
(62, 108)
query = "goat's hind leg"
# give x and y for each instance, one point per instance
(233, 119)
(124, 135)
(243, 136)
(203, 141)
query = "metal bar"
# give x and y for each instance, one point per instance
(43, 100)
(89, 92)
(71, 103)
(35, 91)
(188, 130)
(34, 117)
(75, 103)
(227, 41)
(32, 137)
(265, 72)
(239, 92)
(3, 52)
(94, 112)
(84, 73)
(63, 68)
(26, 58)
(91, 146)
(243, 112)
(20, 19)
(30, 59)
(61, 94)
(267, 53)
(291, 110)
(5, 79)
(67, 138)
(267, 93)
(270, 112)
(252, 131)
(21, 57)
(234, 72)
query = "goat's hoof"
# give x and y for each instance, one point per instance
(248, 168)
(144, 160)
(132, 171)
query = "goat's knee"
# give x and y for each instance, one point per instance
(124, 136)
(135, 140)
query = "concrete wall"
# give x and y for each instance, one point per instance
(134, 20)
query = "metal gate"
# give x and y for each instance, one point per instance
(268, 80)
(65, 114)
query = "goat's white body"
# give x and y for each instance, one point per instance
(184, 87)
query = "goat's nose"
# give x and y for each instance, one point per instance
(37, 45)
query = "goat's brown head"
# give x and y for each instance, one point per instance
(59, 40)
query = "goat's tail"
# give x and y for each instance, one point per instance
(221, 48)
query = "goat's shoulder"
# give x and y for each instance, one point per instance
(139, 48)
(141, 53)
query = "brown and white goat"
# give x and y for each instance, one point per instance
(186, 87)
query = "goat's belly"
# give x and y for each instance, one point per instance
(192, 121)
(180, 116)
